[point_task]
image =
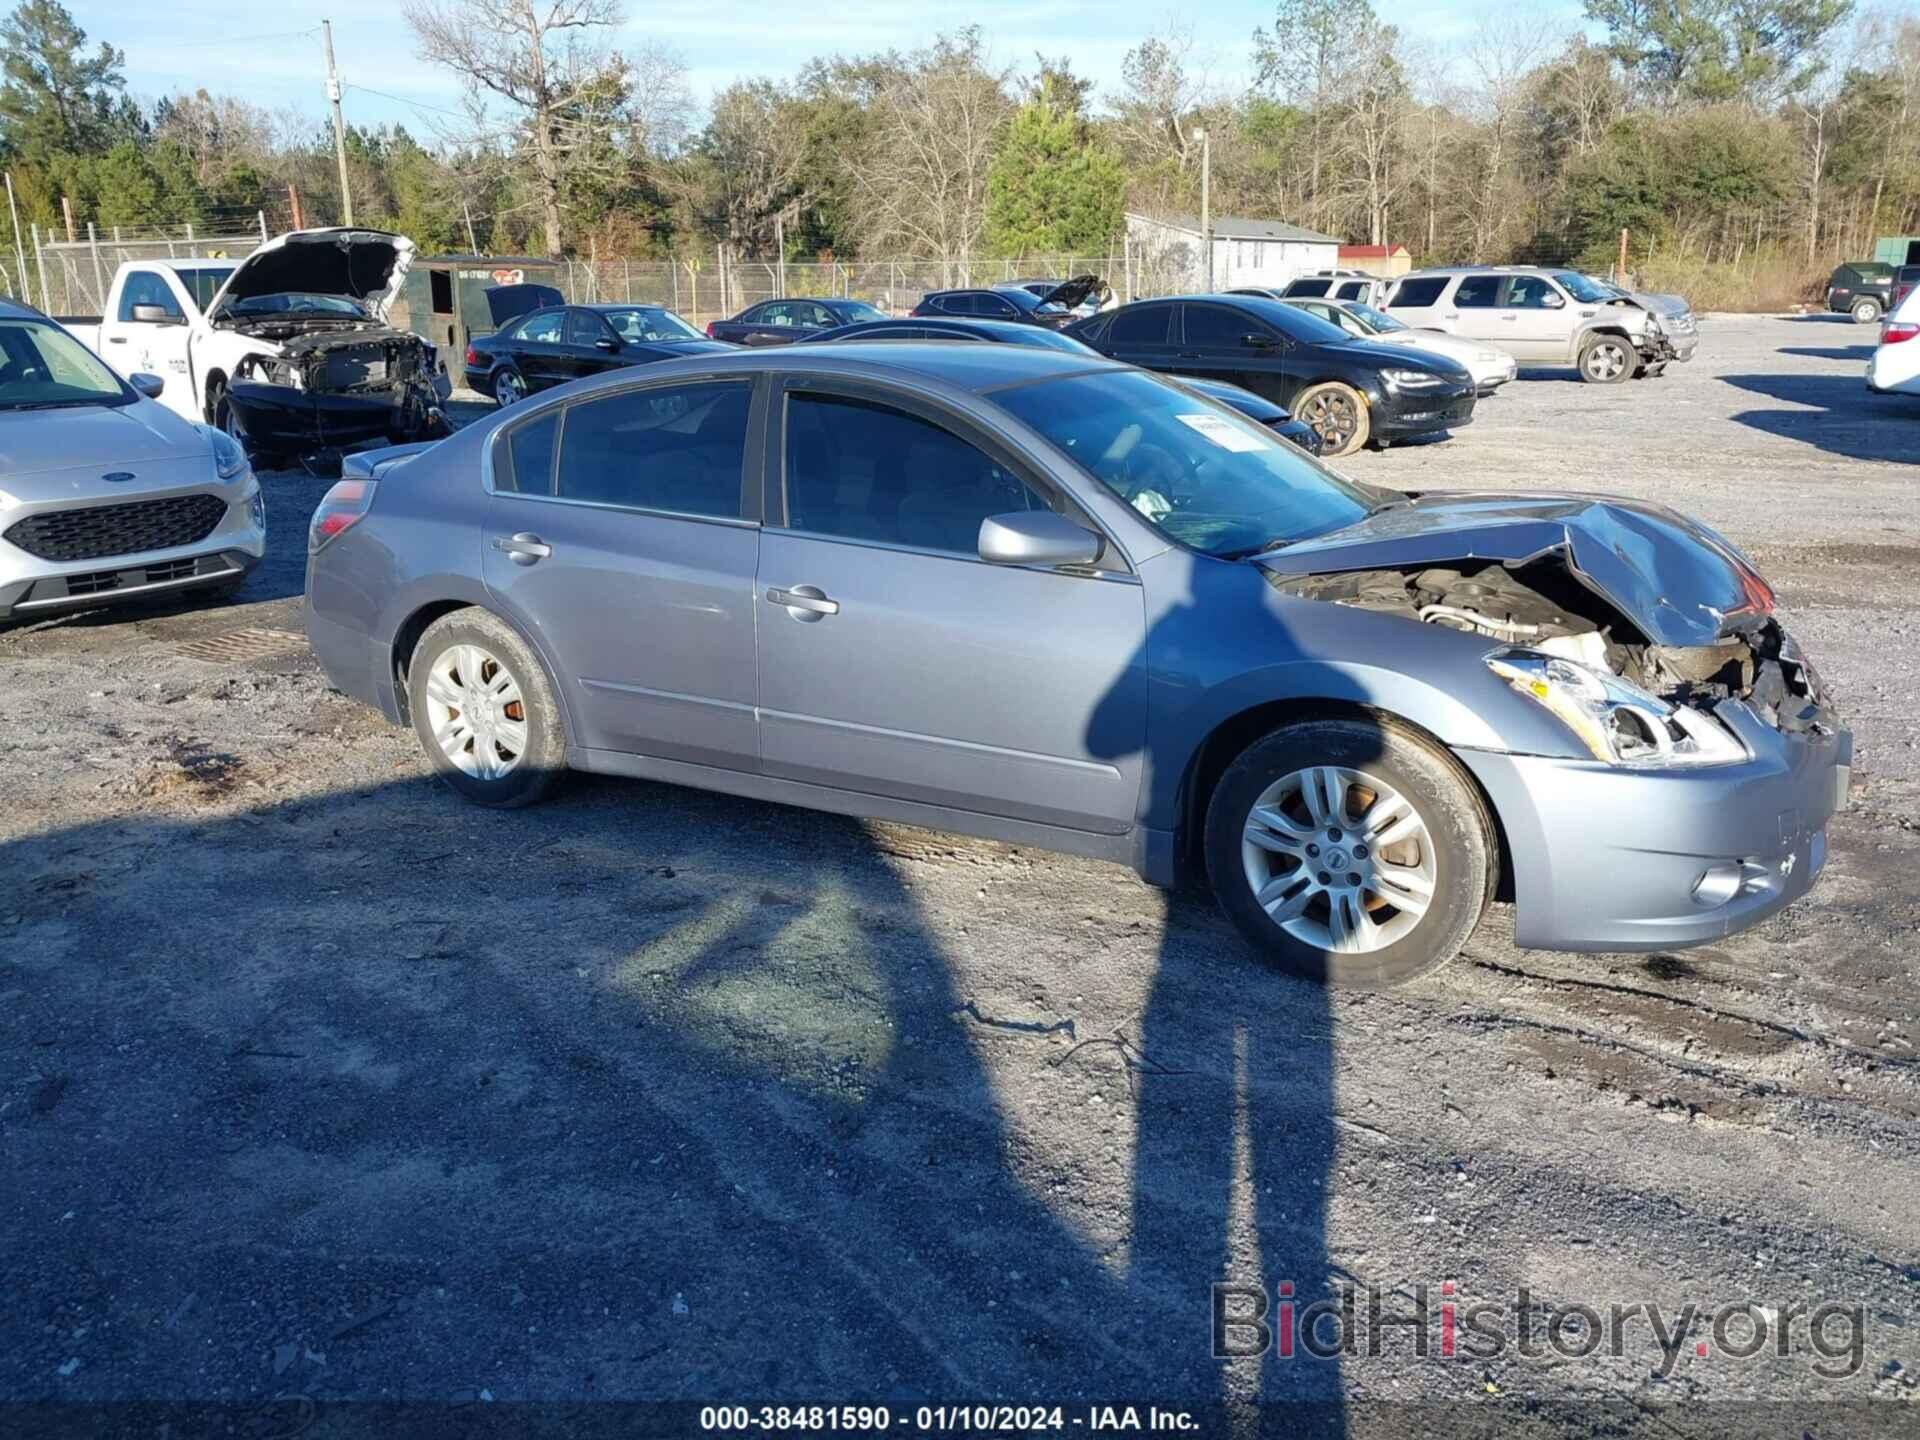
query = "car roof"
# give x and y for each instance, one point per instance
(1012, 329)
(605, 305)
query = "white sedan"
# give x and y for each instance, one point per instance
(1490, 366)
(1895, 366)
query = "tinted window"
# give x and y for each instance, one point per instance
(1218, 328)
(143, 287)
(530, 452)
(1297, 324)
(1532, 292)
(860, 310)
(639, 325)
(584, 328)
(1416, 294)
(679, 448)
(544, 327)
(995, 306)
(1309, 287)
(1352, 290)
(1140, 325)
(862, 471)
(1478, 292)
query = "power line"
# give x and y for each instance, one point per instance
(403, 100)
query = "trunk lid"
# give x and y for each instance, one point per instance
(1674, 579)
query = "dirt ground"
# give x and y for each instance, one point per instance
(318, 1083)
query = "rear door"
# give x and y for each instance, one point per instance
(1141, 334)
(895, 662)
(1476, 310)
(622, 532)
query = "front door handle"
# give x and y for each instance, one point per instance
(116, 339)
(524, 548)
(804, 602)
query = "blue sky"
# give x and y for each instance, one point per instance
(260, 53)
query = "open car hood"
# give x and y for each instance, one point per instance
(365, 265)
(1072, 294)
(1676, 581)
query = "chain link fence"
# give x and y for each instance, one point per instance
(71, 277)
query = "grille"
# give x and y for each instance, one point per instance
(97, 531)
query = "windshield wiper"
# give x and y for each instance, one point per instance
(1264, 548)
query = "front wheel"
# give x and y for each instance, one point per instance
(484, 711)
(1866, 312)
(1607, 360)
(1338, 413)
(1350, 852)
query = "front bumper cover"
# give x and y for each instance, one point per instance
(288, 420)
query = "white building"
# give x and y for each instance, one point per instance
(1169, 253)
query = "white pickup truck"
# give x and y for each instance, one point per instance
(287, 350)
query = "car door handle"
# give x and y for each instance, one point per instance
(803, 602)
(116, 339)
(524, 548)
(1186, 355)
(1509, 317)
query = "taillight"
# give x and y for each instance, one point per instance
(340, 509)
(473, 356)
(710, 325)
(1895, 333)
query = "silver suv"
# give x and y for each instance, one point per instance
(1539, 316)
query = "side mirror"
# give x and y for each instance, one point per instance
(157, 315)
(1036, 537)
(610, 346)
(147, 385)
(1552, 301)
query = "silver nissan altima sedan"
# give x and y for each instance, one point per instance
(1057, 601)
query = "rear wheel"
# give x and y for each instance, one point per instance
(1350, 851)
(1338, 413)
(509, 388)
(484, 711)
(1866, 311)
(1607, 359)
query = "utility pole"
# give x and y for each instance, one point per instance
(339, 124)
(1206, 202)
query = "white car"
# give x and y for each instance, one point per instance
(1895, 366)
(1490, 366)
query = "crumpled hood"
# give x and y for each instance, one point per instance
(365, 265)
(1676, 580)
(92, 440)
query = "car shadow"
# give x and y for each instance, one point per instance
(1834, 413)
(359, 1092)
(1850, 352)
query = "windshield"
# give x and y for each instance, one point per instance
(294, 302)
(856, 310)
(637, 325)
(1378, 319)
(1203, 475)
(1583, 289)
(41, 366)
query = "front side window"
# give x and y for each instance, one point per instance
(1201, 473)
(996, 306)
(584, 328)
(1215, 327)
(1478, 292)
(143, 287)
(860, 310)
(649, 324)
(1533, 292)
(42, 367)
(857, 470)
(675, 448)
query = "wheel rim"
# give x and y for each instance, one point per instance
(477, 714)
(1334, 416)
(230, 422)
(1606, 360)
(507, 388)
(1339, 859)
(1864, 312)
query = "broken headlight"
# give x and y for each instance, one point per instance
(1620, 723)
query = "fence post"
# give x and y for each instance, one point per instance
(262, 216)
(626, 279)
(193, 247)
(40, 260)
(99, 281)
(673, 274)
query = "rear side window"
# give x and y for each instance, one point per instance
(1352, 290)
(530, 450)
(1417, 294)
(857, 470)
(546, 328)
(1478, 292)
(679, 448)
(1140, 325)
(1308, 287)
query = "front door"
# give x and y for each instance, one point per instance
(622, 534)
(894, 661)
(1541, 319)
(592, 348)
(1220, 344)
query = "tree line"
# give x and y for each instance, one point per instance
(1743, 144)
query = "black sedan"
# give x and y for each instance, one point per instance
(559, 343)
(1019, 303)
(781, 322)
(1350, 391)
(1006, 332)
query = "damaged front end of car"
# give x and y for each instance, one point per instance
(335, 390)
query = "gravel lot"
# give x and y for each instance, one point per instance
(315, 1082)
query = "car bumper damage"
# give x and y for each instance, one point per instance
(332, 392)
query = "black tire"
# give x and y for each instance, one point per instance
(543, 758)
(1464, 870)
(1607, 359)
(1865, 311)
(1338, 414)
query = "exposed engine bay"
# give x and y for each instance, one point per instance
(336, 387)
(1541, 607)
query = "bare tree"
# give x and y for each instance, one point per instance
(1377, 111)
(1161, 88)
(1500, 59)
(923, 175)
(755, 154)
(568, 91)
(1308, 58)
